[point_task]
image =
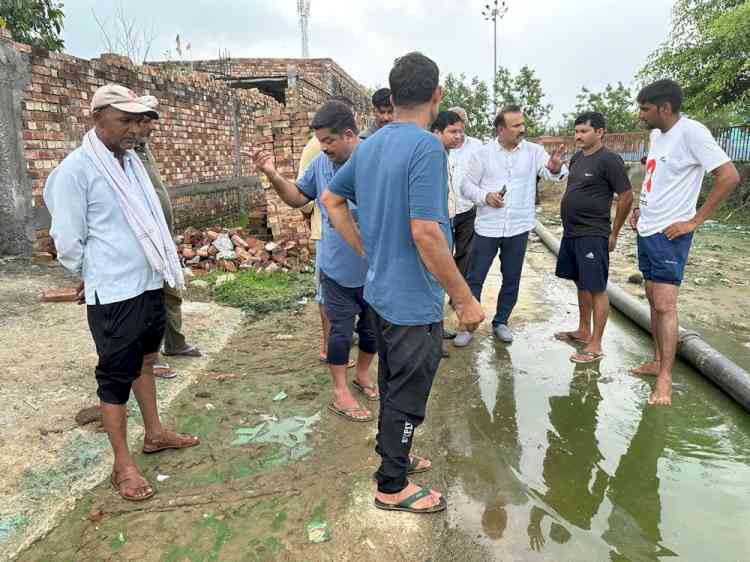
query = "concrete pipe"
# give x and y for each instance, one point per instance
(723, 372)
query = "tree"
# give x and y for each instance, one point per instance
(616, 103)
(524, 89)
(474, 98)
(35, 22)
(708, 53)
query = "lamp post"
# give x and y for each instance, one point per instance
(494, 12)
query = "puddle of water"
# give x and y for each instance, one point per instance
(554, 461)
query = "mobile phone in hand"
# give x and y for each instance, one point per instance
(502, 191)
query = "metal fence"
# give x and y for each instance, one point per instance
(634, 146)
(735, 141)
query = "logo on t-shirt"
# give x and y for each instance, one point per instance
(650, 167)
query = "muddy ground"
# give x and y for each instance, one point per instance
(234, 498)
(46, 459)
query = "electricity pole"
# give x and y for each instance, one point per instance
(303, 9)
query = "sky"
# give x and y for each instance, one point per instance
(568, 44)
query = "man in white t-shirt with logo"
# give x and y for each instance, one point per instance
(681, 151)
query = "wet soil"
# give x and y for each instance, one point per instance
(229, 501)
(48, 356)
(715, 293)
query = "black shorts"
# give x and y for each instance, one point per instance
(585, 260)
(124, 332)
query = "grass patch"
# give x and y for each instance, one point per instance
(259, 293)
(241, 221)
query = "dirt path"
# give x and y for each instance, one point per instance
(226, 500)
(46, 459)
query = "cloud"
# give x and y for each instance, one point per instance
(568, 44)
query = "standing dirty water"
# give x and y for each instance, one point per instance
(555, 461)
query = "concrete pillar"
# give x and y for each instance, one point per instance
(16, 225)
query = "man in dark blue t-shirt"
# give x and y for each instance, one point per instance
(343, 271)
(398, 179)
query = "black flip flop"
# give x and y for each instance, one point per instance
(406, 504)
(361, 388)
(346, 413)
(413, 467)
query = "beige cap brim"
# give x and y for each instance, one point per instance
(132, 107)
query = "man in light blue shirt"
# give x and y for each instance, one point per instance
(398, 179)
(343, 271)
(95, 239)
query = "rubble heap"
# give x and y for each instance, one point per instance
(232, 249)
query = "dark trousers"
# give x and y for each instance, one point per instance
(463, 237)
(511, 250)
(408, 358)
(174, 340)
(343, 305)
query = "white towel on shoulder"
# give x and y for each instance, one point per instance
(148, 224)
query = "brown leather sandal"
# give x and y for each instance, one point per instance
(131, 473)
(170, 440)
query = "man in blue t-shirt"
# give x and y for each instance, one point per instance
(398, 179)
(343, 271)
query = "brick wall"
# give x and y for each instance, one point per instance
(322, 77)
(203, 123)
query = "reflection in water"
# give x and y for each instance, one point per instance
(602, 475)
(488, 471)
(634, 491)
(575, 481)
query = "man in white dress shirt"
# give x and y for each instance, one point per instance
(501, 181)
(463, 222)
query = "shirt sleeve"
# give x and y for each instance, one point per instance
(428, 184)
(704, 148)
(541, 166)
(616, 174)
(67, 203)
(307, 184)
(471, 180)
(342, 183)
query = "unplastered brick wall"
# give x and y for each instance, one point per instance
(323, 77)
(203, 125)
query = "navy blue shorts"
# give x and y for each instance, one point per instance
(663, 260)
(585, 260)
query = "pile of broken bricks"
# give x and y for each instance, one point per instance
(231, 250)
(222, 249)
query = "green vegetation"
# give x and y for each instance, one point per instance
(523, 89)
(707, 52)
(258, 293)
(38, 23)
(616, 103)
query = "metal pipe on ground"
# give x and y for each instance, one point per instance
(723, 372)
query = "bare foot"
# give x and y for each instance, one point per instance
(662, 394)
(649, 368)
(430, 500)
(575, 336)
